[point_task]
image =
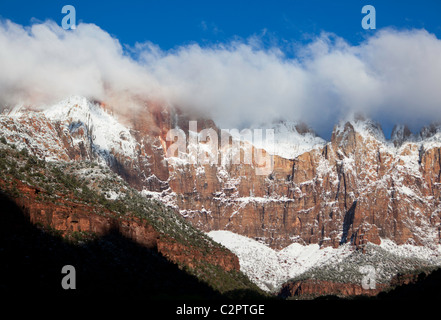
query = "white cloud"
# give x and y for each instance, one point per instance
(393, 74)
(44, 63)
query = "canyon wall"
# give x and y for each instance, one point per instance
(356, 188)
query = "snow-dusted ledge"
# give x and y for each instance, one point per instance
(269, 268)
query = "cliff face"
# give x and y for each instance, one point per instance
(356, 188)
(68, 217)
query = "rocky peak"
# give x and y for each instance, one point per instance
(342, 132)
(430, 131)
(98, 126)
(348, 132)
(364, 126)
(291, 138)
(400, 134)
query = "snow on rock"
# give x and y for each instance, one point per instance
(106, 133)
(366, 128)
(269, 268)
(167, 197)
(291, 139)
(400, 134)
(430, 253)
(259, 262)
(76, 122)
(31, 131)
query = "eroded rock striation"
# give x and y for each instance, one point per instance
(358, 187)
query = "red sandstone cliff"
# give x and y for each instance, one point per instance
(68, 216)
(356, 188)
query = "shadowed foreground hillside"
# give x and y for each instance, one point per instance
(427, 287)
(51, 216)
(109, 266)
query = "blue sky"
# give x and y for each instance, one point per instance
(325, 85)
(170, 23)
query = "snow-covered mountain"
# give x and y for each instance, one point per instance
(81, 123)
(324, 201)
(77, 115)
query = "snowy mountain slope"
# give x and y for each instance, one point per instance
(33, 131)
(337, 195)
(270, 268)
(107, 135)
(74, 123)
